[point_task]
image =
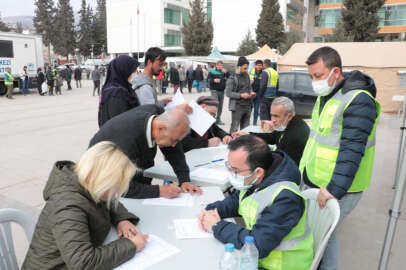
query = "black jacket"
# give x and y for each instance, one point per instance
(128, 131)
(217, 74)
(358, 122)
(292, 141)
(40, 77)
(193, 140)
(198, 74)
(78, 74)
(174, 75)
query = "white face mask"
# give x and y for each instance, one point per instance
(321, 87)
(237, 181)
(132, 78)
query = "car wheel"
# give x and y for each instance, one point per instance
(3, 89)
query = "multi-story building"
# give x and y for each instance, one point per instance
(134, 26)
(392, 25)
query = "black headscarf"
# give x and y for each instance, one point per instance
(117, 84)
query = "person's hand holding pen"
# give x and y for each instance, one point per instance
(128, 230)
(169, 190)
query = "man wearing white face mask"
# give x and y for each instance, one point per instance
(268, 199)
(339, 155)
(288, 132)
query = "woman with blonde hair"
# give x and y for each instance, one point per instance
(81, 205)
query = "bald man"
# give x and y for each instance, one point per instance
(138, 132)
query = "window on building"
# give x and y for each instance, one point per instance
(209, 9)
(172, 16)
(173, 39)
(331, 1)
(329, 17)
(6, 48)
(294, 16)
(392, 15)
(186, 15)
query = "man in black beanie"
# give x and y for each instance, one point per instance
(239, 90)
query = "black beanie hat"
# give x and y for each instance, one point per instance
(242, 61)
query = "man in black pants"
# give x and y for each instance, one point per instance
(217, 82)
(138, 132)
(189, 78)
(288, 132)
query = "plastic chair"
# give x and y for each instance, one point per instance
(322, 222)
(8, 260)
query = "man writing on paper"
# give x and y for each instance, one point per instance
(138, 132)
(288, 132)
(267, 196)
(213, 136)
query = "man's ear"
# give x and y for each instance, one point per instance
(260, 173)
(290, 116)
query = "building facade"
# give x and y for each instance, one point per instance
(134, 26)
(392, 16)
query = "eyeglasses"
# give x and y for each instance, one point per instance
(234, 170)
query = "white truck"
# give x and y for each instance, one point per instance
(17, 51)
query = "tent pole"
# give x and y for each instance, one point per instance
(394, 212)
(401, 142)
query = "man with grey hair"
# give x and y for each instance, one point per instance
(138, 132)
(287, 131)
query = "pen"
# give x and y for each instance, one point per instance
(207, 163)
(217, 160)
(167, 182)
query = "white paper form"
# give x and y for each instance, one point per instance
(200, 120)
(209, 175)
(184, 199)
(189, 229)
(154, 251)
(177, 99)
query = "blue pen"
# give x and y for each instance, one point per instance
(167, 182)
(217, 160)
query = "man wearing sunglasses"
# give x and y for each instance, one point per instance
(268, 198)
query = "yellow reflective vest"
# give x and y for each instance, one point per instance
(295, 251)
(8, 78)
(321, 151)
(272, 83)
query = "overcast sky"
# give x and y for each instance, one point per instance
(26, 7)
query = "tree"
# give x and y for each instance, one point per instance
(292, 37)
(99, 28)
(270, 29)
(339, 34)
(361, 19)
(247, 45)
(19, 27)
(64, 43)
(44, 22)
(85, 30)
(4, 27)
(198, 31)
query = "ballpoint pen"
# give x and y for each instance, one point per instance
(207, 163)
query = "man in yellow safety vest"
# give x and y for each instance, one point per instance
(8, 82)
(339, 154)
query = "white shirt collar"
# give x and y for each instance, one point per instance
(151, 143)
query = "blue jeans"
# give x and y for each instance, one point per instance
(256, 110)
(199, 86)
(24, 88)
(330, 257)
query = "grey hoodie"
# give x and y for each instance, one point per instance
(146, 93)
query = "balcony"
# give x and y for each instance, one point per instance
(295, 4)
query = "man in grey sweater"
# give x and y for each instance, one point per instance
(239, 90)
(96, 80)
(143, 83)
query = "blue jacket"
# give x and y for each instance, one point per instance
(276, 221)
(358, 122)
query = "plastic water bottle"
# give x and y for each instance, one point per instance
(249, 255)
(229, 260)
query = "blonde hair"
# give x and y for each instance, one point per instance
(105, 168)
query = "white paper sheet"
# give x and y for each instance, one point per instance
(200, 120)
(217, 176)
(189, 228)
(184, 199)
(177, 99)
(154, 251)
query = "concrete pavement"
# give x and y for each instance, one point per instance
(36, 131)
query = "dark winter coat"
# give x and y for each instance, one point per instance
(358, 122)
(128, 131)
(198, 74)
(275, 221)
(78, 74)
(174, 75)
(292, 140)
(40, 77)
(72, 228)
(217, 74)
(194, 141)
(68, 74)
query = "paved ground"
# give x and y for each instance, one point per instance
(36, 131)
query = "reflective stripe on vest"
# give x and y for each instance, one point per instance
(322, 148)
(297, 244)
(8, 78)
(252, 74)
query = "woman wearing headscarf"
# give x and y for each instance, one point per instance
(117, 94)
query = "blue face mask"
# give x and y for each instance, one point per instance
(238, 181)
